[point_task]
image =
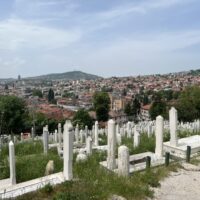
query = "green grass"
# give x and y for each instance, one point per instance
(25, 148)
(96, 183)
(30, 161)
(103, 140)
(146, 144)
(183, 134)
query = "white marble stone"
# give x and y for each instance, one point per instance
(89, 145)
(129, 132)
(159, 136)
(141, 165)
(45, 140)
(56, 136)
(59, 134)
(136, 141)
(8, 191)
(181, 148)
(123, 161)
(68, 150)
(81, 157)
(96, 134)
(12, 163)
(173, 119)
(111, 145)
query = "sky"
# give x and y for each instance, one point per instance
(102, 37)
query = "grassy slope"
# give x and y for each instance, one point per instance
(94, 182)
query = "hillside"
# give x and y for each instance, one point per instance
(74, 75)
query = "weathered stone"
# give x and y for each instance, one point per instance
(81, 157)
(123, 161)
(45, 140)
(173, 119)
(59, 134)
(111, 163)
(68, 150)
(89, 145)
(136, 137)
(159, 136)
(12, 163)
(96, 134)
(49, 168)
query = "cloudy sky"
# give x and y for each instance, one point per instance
(103, 37)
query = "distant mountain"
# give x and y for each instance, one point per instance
(7, 80)
(74, 75)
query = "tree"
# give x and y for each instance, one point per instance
(37, 93)
(82, 118)
(159, 107)
(101, 102)
(128, 109)
(14, 114)
(51, 96)
(145, 99)
(188, 104)
(136, 107)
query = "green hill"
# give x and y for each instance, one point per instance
(74, 75)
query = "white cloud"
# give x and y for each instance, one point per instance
(11, 66)
(17, 34)
(153, 54)
(141, 7)
(44, 10)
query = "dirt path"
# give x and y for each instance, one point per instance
(181, 185)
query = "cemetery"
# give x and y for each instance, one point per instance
(121, 159)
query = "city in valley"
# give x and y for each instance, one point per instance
(73, 93)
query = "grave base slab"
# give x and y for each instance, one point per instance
(138, 161)
(181, 149)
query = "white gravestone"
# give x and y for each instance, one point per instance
(68, 150)
(159, 137)
(111, 163)
(12, 163)
(173, 126)
(123, 161)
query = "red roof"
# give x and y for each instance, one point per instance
(146, 107)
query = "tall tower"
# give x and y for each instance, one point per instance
(19, 78)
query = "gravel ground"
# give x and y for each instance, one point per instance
(181, 185)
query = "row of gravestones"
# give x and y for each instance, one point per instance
(90, 139)
(127, 129)
(123, 152)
